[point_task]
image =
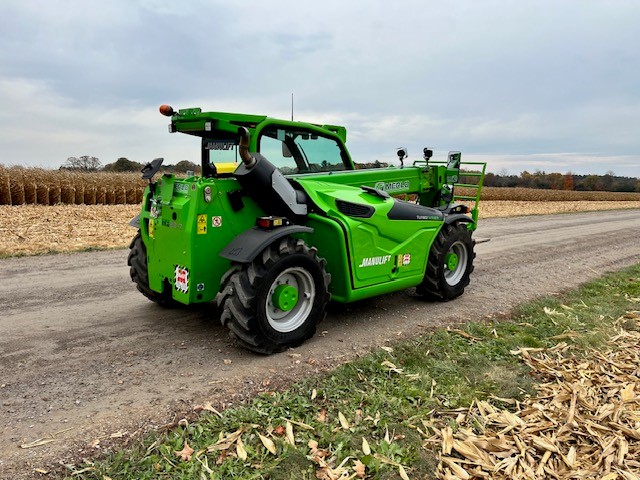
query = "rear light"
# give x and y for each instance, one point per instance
(271, 222)
(167, 110)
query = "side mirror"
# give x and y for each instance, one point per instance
(151, 168)
(453, 166)
(454, 161)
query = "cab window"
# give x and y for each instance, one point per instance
(217, 150)
(299, 151)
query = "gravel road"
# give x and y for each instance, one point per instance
(84, 358)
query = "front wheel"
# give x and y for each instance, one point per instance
(450, 264)
(276, 301)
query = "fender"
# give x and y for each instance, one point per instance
(457, 217)
(246, 246)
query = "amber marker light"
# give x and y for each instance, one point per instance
(166, 110)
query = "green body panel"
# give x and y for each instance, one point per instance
(189, 233)
(395, 181)
(379, 250)
(365, 256)
(184, 234)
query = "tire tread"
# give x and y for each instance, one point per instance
(239, 290)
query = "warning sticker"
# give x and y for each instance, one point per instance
(181, 279)
(403, 260)
(152, 227)
(216, 222)
(202, 224)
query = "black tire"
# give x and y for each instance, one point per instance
(140, 274)
(248, 292)
(446, 278)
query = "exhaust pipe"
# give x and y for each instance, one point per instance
(243, 146)
(265, 184)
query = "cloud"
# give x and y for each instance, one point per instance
(511, 80)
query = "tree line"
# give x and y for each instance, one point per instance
(87, 163)
(609, 182)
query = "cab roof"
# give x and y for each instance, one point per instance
(194, 121)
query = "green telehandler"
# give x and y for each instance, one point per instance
(280, 221)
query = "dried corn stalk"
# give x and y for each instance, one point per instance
(584, 423)
(29, 229)
(544, 195)
(20, 185)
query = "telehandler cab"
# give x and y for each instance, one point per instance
(280, 221)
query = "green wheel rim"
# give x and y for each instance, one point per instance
(290, 299)
(451, 260)
(455, 263)
(285, 297)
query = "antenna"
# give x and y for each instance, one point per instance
(292, 106)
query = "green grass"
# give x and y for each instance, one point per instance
(384, 397)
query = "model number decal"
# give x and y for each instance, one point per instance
(374, 261)
(181, 188)
(392, 186)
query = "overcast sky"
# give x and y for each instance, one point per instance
(525, 85)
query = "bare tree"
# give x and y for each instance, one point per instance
(84, 163)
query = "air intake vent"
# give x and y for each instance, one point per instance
(354, 209)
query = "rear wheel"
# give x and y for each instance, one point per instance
(276, 301)
(450, 264)
(140, 274)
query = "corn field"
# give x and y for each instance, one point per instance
(37, 186)
(539, 195)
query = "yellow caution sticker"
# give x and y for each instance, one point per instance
(202, 224)
(152, 227)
